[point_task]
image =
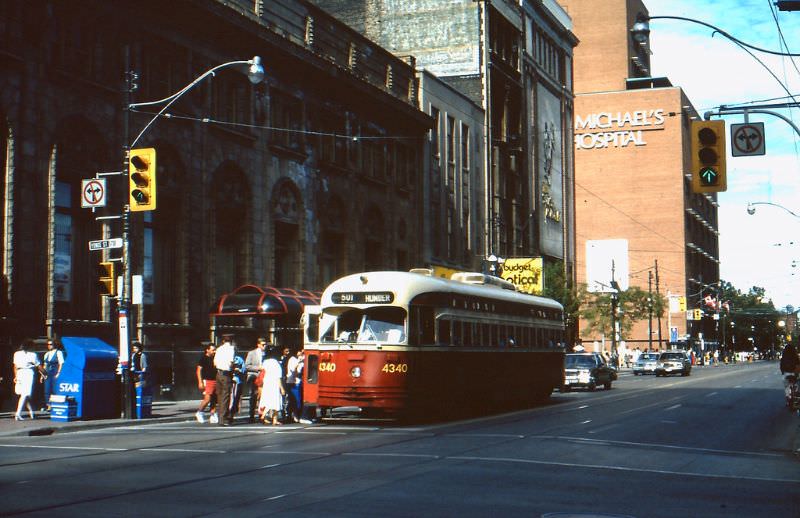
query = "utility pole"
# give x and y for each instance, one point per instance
(650, 311)
(658, 294)
(614, 306)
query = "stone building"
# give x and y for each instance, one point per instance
(513, 59)
(314, 173)
(632, 164)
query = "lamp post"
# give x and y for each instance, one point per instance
(255, 72)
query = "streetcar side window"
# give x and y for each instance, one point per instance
(422, 326)
(312, 368)
(457, 333)
(444, 332)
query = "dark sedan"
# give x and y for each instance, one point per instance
(586, 370)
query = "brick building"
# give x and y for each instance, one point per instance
(631, 170)
(309, 175)
(513, 59)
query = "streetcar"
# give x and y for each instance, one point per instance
(406, 344)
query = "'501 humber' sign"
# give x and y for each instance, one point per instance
(381, 297)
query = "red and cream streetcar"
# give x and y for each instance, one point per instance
(409, 343)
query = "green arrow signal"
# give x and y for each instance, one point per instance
(708, 176)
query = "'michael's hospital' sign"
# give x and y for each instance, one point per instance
(620, 129)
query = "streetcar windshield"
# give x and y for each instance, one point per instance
(380, 324)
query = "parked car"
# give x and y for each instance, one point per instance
(586, 370)
(646, 364)
(673, 362)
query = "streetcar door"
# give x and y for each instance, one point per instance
(310, 324)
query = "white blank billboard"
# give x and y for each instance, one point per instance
(601, 256)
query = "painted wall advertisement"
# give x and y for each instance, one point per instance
(525, 273)
(551, 173)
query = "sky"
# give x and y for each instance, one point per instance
(758, 249)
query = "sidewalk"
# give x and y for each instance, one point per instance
(163, 412)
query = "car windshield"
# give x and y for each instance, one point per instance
(575, 361)
(647, 356)
(672, 356)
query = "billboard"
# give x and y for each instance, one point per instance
(606, 259)
(525, 273)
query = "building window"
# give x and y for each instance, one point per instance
(434, 134)
(286, 214)
(286, 120)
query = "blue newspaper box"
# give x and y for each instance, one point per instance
(88, 381)
(144, 399)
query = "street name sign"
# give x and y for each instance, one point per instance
(102, 244)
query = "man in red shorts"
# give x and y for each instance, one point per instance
(207, 383)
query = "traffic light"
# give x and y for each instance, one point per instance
(142, 179)
(708, 156)
(107, 278)
(698, 314)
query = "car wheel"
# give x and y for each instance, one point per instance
(635, 373)
(607, 385)
(591, 386)
(565, 388)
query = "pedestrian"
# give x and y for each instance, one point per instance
(139, 364)
(223, 361)
(286, 353)
(272, 390)
(294, 378)
(252, 364)
(207, 383)
(237, 387)
(26, 364)
(53, 362)
(790, 366)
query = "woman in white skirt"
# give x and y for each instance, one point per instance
(26, 362)
(269, 405)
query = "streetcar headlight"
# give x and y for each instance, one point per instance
(355, 372)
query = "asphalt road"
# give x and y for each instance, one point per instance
(716, 443)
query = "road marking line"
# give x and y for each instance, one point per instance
(711, 394)
(607, 442)
(498, 435)
(621, 468)
(274, 497)
(93, 448)
(413, 455)
(181, 450)
(673, 407)
(586, 422)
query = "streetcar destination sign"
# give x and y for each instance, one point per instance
(380, 297)
(102, 244)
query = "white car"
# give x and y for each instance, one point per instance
(646, 364)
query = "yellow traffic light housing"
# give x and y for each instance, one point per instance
(708, 156)
(107, 278)
(142, 179)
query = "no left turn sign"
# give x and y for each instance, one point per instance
(93, 193)
(747, 139)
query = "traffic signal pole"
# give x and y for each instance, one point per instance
(124, 315)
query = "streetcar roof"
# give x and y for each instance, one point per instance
(407, 285)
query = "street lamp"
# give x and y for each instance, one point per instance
(751, 209)
(495, 265)
(255, 72)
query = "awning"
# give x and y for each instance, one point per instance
(256, 301)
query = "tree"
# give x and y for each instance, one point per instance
(557, 286)
(634, 305)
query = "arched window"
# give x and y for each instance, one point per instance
(164, 241)
(332, 241)
(374, 237)
(230, 193)
(286, 216)
(6, 179)
(78, 152)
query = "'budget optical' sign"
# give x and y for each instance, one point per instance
(616, 129)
